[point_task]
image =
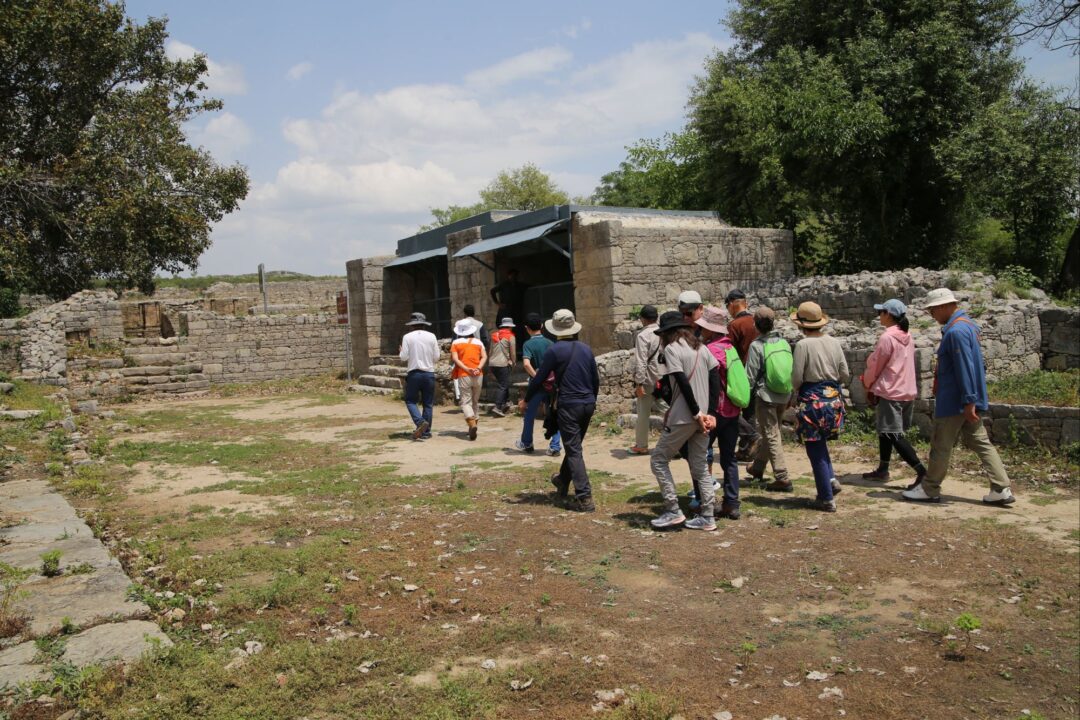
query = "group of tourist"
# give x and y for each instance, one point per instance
(723, 376)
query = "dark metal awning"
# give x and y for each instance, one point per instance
(537, 232)
(416, 257)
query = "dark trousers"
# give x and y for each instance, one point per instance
(818, 452)
(748, 433)
(726, 435)
(420, 388)
(502, 379)
(886, 443)
(573, 424)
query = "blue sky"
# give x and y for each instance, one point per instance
(355, 118)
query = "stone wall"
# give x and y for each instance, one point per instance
(622, 262)
(10, 339)
(1049, 427)
(299, 295)
(470, 282)
(91, 315)
(1060, 330)
(232, 349)
(378, 309)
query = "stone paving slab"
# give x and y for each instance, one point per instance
(85, 599)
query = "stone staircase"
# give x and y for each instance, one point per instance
(385, 376)
(161, 366)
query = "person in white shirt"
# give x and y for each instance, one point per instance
(420, 349)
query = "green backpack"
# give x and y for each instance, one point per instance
(778, 366)
(738, 385)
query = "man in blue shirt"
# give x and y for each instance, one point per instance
(578, 381)
(960, 392)
(532, 353)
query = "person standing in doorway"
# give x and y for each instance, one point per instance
(481, 333)
(501, 361)
(890, 387)
(468, 356)
(509, 296)
(532, 355)
(768, 367)
(742, 331)
(577, 384)
(646, 375)
(960, 391)
(420, 350)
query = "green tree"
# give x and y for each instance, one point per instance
(836, 119)
(666, 173)
(97, 179)
(523, 188)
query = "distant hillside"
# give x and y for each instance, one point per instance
(201, 282)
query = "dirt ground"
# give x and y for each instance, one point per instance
(393, 578)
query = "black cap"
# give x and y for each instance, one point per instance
(649, 312)
(672, 320)
(533, 321)
(734, 295)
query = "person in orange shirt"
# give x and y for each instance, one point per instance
(468, 356)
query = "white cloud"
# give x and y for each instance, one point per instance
(224, 136)
(221, 78)
(572, 31)
(299, 70)
(372, 164)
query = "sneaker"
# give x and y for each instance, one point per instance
(917, 482)
(522, 447)
(638, 450)
(426, 436)
(729, 513)
(824, 505)
(918, 494)
(780, 486)
(836, 488)
(668, 520)
(878, 474)
(497, 411)
(420, 430)
(554, 452)
(1003, 497)
(577, 504)
(700, 522)
(562, 487)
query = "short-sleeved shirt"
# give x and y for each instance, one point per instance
(534, 348)
(696, 365)
(469, 351)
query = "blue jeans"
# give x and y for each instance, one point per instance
(726, 435)
(818, 452)
(531, 410)
(420, 386)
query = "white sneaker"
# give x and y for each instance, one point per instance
(1005, 497)
(668, 520)
(917, 494)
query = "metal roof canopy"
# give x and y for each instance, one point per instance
(417, 257)
(536, 232)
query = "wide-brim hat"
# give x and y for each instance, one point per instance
(809, 316)
(672, 320)
(418, 319)
(715, 319)
(563, 323)
(940, 296)
(466, 327)
(507, 323)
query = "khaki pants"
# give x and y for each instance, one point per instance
(771, 449)
(671, 442)
(644, 412)
(469, 387)
(947, 430)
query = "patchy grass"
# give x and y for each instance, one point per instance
(1040, 387)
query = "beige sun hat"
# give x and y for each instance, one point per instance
(563, 323)
(941, 296)
(809, 316)
(715, 319)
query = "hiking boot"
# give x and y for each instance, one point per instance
(420, 430)
(918, 494)
(836, 488)
(824, 505)
(729, 513)
(780, 486)
(472, 428)
(700, 522)
(522, 447)
(638, 450)
(669, 519)
(1001, 497)
(878, 474)
(576, 504)
(561, 486)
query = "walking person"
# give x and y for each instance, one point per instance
(646, 375)
(501, 360)
(889, 380)
(742, 331)
(695, 388)
(714, 333)
(532, 354)
(468, 357)
(768, 366)
(960, 391)
(577, 383)
(470, 314)
(420, 350)
(818, 371)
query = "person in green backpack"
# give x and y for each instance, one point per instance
(768, 365)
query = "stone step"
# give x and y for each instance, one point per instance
(395, 371)
(380, 381)
(371, 390)
(156, 358)
(387, 360)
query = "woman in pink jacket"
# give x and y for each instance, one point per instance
(890, 384)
